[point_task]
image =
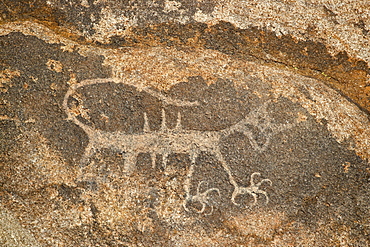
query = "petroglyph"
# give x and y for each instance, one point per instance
(201, 197)
(178, 140)
(252, 190)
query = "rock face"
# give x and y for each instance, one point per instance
(178, 123)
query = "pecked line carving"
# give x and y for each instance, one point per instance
(178, 140)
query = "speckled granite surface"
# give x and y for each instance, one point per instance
(184, 123)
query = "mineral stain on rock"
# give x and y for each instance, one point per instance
(179, 134)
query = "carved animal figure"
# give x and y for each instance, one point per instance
(178, 140)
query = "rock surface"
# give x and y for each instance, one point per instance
(184, 123)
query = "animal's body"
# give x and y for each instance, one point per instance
(177, 140)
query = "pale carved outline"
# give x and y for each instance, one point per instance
(178, 140)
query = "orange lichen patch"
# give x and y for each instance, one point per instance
(119, 209)
(297, 234)
(38, 11)
(120, 203)
(346, 167)
(54, 65)
(301, 117)
(261, 224)
(198, 236)
(5, 117)
(5, 79)
(79, 109)
(352, 83)
(73, 79)
(268, 228)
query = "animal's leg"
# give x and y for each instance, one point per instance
(89, 151)
(153, 158)
(187, 184)
(254, 198)
(238, 190)
(163, 124)
(200, 197)
(219, 156)
(252, 189)
(146, 127)
(130, 161)
(178, 122)
(164, 159)
(265, 194)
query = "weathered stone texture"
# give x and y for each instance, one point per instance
(184, 123)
